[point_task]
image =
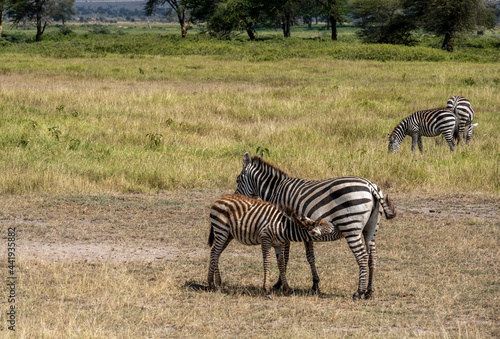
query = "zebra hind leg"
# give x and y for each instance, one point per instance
(358, 249)
(369, 233)
(372, 261)
(213, 269)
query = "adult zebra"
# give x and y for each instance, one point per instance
(254, 222)
(350, 203)
(427, 123)
(464, 114)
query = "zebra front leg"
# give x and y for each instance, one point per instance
(266, 256)
(286, 255)
(358, 249)
(419, 142)
(310, 259)
(414, 138)
(282, 268)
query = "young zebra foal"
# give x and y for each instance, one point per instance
(428, 123)
(254, 222)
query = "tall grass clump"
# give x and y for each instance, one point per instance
(100, 40)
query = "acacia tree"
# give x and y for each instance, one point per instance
(64, 10)
(392, 21)
(335, 10)
(385, 21)
(40, 12)
(449, 18)
(179, 6)
(224, 16)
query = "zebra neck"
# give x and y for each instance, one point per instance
(401, 130)
(271, 178)
(292, 232)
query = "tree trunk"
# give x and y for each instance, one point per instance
(39, 27)
(1, 18)
(333, 21)
(286, 25)
(448, 42)
(249, 29)
(181, 15)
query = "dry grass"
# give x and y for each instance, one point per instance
(135, 266)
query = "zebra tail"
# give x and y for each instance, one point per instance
(211, 237)
(389, 208)
(387, 205)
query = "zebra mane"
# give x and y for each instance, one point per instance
(261, 162)
(399, 125)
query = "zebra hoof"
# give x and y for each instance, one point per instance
(356, 296)
(269, 296)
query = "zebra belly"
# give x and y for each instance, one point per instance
(246, 233)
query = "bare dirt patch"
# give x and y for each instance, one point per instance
(131, 227)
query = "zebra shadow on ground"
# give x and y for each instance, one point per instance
(255, 291)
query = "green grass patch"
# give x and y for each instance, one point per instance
(148, 123)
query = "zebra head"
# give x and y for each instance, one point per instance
(246, 184)
(394, 142)
(316, 228)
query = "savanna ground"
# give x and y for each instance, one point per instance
(110, 160)
(129, 265)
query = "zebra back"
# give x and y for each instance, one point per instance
(338, 200)
(247, 219)
(462, 108)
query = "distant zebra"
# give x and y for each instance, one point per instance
(254, 222)
(465, 114)
(428, 123)
(351, 203)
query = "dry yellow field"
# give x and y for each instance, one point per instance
(133, 265)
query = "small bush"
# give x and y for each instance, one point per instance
(65, 30)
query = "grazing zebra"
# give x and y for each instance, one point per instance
(428, 123)
(254, 222)
(351, 203)
(465, 114)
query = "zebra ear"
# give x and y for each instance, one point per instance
(246, 160)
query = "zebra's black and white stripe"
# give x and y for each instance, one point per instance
(465, 114)
(254, 222)
(351, 203)
(427, 123)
